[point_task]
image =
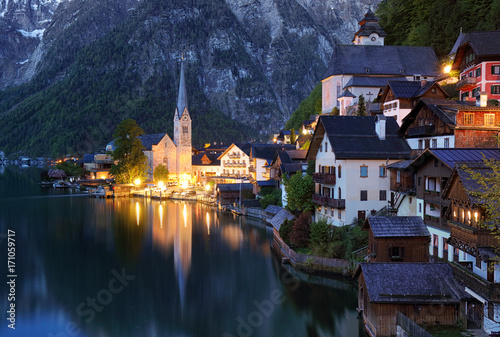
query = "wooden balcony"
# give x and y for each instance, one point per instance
(324, 178)
(466, 83)
(434, 197)
(318, 199)
(335, 203)
(479, 237)
(422, 131)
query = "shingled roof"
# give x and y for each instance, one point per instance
(279, 218)
(268, 151)
(367, 81)
(382, 226)
(355, 137)
(382, 60)
(415, 283)
(452, 156)
(151, 139)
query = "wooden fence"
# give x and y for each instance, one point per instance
(406, 327)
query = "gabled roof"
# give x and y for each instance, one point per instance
(273, 209)
(409, 89)
(197, 159)
(369, 24)
(382, 60)
(416, 283)
(354, 137)
(244, 147)
(151, 139)
(480, 42)
(297, 154)
(88, 158)
(469, 184)
(453, 156)
(396, 226)
(268, 151)
(347, 93)
(400, 165)
(446, 110)
(279, 218)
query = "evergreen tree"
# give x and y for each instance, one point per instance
(129, 153)
(160, 173)
(293, 137)
(361, 106)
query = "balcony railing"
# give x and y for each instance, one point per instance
(318, 199)
(324, 178)
(422, 131)
(234, 156)
(335, 203)
(479, 237)
(466, 83)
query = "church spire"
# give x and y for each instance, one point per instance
(182, 99)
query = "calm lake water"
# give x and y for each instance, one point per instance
(133, 267)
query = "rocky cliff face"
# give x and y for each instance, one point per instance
(253, 60)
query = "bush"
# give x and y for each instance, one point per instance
(270, 197)
(285, 229)
(301, 230)
(321, 235)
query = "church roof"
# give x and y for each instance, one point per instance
(152, 139)
(370, 25)
(382, 61)
(347, 93)
(367, 81)
(182, 98)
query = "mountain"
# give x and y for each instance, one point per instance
(249, 63)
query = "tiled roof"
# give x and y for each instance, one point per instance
(355, 137)
(382, 226)
(452, 156)
(369, 81)
(234, 187)
(416, 283)
(196, 159)
(151, 139)
(279, 218)
(273, 209)
(268, 151)
(404, 89)
(382, 60)
(402, 164)
(481, 42)
(297, 154)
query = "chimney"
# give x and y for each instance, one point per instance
(423, 83)
(380, 126)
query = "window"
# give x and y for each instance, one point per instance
(489, 119)
(468, 118)
(339, 214)
(338, 93)
(435, 240)
(398, 177)
(321, 148)
(382, 195)
(478, 262)
(445, 249)
(475, 91)
(410, 199)
(495, 89)
(340, 193)
(363, 171)
(326, 146)
(420, 208)
(396, 252)
(340, 171)
(447, 142)
(478, 72)
(185, 129)
(382, 171)
(495, 70)
(455, 254)
(364, 195)
(420, 144)
(434, 143)
(465, 95)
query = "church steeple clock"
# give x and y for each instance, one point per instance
(370, 32)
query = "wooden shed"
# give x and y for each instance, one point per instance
(397, 239)
(427, 293)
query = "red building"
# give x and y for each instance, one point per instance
(477, 57)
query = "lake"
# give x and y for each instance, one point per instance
(135, 267)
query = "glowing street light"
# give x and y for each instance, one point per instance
(447, 69)
(137, 182)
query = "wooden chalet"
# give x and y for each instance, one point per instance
(439, 123)
(427, 293)
(397, 239)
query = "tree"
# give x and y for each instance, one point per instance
(160, 173)
(299, 190)
(301, 230)
(487, 193)
(361, 106)
(270, 196)
(321, 235)
(70, 169)
(285, 229)
(335, 111)
(129, 152)
(293, 137)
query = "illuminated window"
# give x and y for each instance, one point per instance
(468, 118)
(489, 119)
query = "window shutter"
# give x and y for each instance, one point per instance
(492, 70)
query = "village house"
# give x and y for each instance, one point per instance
(366, 66)
(439, 123)
(426, 293)
(397, 239)
(399, 97)
(235, 161)
(427, 176)
(351, 156)
(205, 166)
(477, 58)
(475, 243)
(261, 157)
(232, 193)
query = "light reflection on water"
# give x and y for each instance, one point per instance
(197, 272)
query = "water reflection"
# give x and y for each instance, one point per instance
(196, 272)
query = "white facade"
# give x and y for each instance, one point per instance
(408, 206)
(355, 178)
(392, 109)
(447, 141)
(234, 162)
(260, 170)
